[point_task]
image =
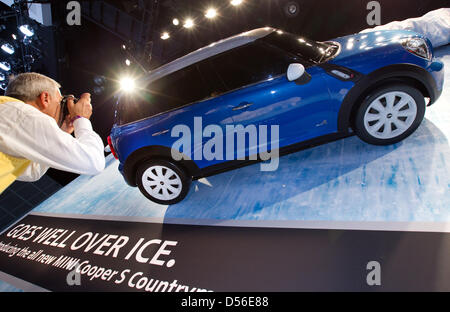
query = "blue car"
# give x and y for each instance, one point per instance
(301, 92)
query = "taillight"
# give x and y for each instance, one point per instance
(112, 148)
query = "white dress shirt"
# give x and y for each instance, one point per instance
(25, 132)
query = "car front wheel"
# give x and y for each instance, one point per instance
(162, 181)
(390, 114)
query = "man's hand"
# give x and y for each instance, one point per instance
(82, 108)
(67, 125)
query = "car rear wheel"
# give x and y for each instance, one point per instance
(162, 182)
(390, 114)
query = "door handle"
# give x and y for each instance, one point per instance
(242, 106)
(160, 132)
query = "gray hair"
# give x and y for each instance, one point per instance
(28, 86)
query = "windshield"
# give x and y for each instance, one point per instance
(309, 50)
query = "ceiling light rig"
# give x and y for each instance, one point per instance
(27, 40)
(211, 13)
(165, 35)
(188, 23)
(19, 49)
(5, 66)
(8, 48)
(29, 58)
(130, 60)
(27, 30)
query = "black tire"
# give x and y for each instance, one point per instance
(167, 168)
(362, 128)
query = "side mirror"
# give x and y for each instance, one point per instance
(295, 71)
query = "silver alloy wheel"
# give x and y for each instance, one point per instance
(390, 115)
(162, 183)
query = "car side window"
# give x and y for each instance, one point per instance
(175, 90)
(182, 87)
(249, 64)
(217, 86)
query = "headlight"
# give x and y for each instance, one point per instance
(417, 46)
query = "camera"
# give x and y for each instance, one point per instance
(64, 109)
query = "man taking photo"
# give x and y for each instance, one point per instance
(32, 141)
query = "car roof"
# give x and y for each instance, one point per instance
(208, 51)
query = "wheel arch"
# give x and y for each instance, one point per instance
(409, 74)
(156, 152)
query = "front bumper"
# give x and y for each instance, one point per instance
(436, 69)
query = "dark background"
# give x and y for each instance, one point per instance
(75, 55)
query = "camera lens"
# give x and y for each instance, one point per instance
(64, 109)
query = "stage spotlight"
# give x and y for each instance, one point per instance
(27, 30)
(165, 36)
(5, 66)
(2, 77)
(189, 23)
(7, 48)
(176, 22)
(124, 47)
(14, 36)
(127, 62)
(236, 2)
(3, 85)
(127, 84)
(211, 13)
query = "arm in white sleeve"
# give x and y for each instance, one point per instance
(40, 140)
(34, 172)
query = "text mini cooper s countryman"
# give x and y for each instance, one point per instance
(374, 84)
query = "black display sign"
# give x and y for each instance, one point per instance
(68, 254)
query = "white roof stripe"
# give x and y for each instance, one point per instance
(208, 51)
